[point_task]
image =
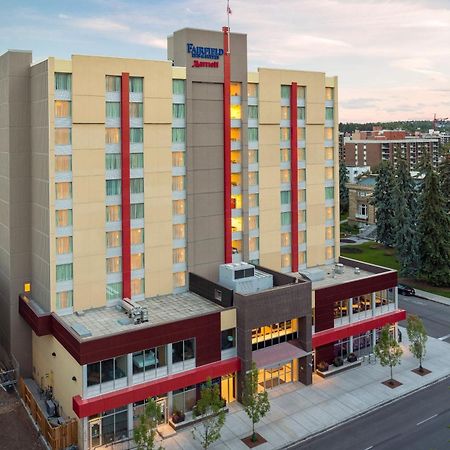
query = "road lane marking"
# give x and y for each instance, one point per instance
(443, 338)
(426, 420)
(368, 448)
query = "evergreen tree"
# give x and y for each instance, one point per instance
(343, 190)
(444, 176)
(433, 232)
(405, 221)
(383, 200)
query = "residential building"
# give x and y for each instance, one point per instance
(361, 210)
(158, 232)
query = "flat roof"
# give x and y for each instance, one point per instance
(161, 309)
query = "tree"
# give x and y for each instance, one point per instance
(388, 350)
(144, 433)
(405, 221)
(444, 176)
(256, 404)
(433, 232)
(343, 190)
(417, 336)
(210, 406)
(384, 204)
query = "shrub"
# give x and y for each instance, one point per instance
(322, 366)
(352, 357)
(338, 361)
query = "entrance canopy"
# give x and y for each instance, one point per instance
(277, 355)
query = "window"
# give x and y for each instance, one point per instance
(329, 193)
(63, 109)
(301, 154)
(136, 160)
(63, 245)
(179, 279)
(302, 237)
(113, 213)
(285, 197)
(329, 134)
(228, 338)
(301, 91)
(329, 153)
(112, 83)
(236, 134)
(362, 209)
(329, 93)
(106, 371)
(112, 135)
(63, 191)
(253, 178)
(329, 114)
(285, 218)
(150, 362)
(64, 272)
(113, 239)
(64, 300)
(137, 286)
(302, 216)
(329, 252)
(300, 134)
(114, 264)
(179, 231)
(286, 260)
(136, 110)
(178, 184)
(252, 156)
(302, 195)
(112, 110)
(137, 236)
(329, 213)
(301, 113)
(63, 163)
(285, 113)
(285, 239)
(137, 211)
(253, 200)
(178, 207)
(285, 91)
(285, 176)
(329, 233)
(235, 112)
(329, 173)
(184, 399)
(252, 112)
(178, 135)
(183, 351)
(63, 136)
(178, 159)
(137, 185)
(179, 255)
(114, 291)
(178, 87)
(136, 135)
(252, 134)
(63, 81)
(252, 90)
(235, 89)
(137, 261)
(253, 244)
(301, 175)
(63, 217)
(113, 187)
(136, 84)
(285, 155)
(253, 222)
(112, 161)
(285, 134)
(178, 111)
(302, 257)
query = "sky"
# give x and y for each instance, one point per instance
(392, 57)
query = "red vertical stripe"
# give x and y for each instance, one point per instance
(125, 147)
(294, 180)
(226, 148)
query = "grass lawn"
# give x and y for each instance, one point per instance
(374, 253)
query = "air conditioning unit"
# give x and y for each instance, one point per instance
(339, 268)
(357, 271)
(134, 311)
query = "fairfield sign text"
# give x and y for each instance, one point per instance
(204, 53)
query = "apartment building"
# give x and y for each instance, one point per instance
(204, 194)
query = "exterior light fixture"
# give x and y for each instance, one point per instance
(53, 354)
(74, 378)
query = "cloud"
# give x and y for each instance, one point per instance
(359, 103)
(102, 24)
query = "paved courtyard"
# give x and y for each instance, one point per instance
(299, 411)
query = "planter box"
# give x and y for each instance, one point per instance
(189, 420)
(332, 370)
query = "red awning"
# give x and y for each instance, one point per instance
(277, 355)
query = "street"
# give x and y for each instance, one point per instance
(419, 421)
(435, 316)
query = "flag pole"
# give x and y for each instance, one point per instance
(228, 24)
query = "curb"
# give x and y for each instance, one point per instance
(441, 302)
(362, 414)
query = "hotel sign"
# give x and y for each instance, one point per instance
(204, 53)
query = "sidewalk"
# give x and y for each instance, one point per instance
(432, 297)
(299, 411)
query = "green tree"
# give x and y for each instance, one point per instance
(433, 232)
(388, 350)
(405, 221)
(256, 404)
(144, 433)
(343, 190)
(444, 176)
(210, 409)
(383, 200)
(417, 336)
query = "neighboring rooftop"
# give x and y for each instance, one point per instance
(162, 309)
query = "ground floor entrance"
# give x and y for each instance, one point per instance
(271, 377)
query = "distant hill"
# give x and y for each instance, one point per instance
(408, 125)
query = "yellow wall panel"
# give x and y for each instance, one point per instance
(158, 110)
(88, 109)
(270, 113)
(228, 319)
(315, 113)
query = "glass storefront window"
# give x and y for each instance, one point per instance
(183, 400)
(274, 334)
(108, 374)
(150, 363)
(183, 355)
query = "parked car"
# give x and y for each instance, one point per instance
(406, 290)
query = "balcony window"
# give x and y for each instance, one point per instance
(301, 175)
(329, 233)
(137, 211)
(236, 134)
(285, 197)
(179, 231)
(329, 93)
(302, 237)
(113, 187)
(235, 89)
(63, 163)
(64, 272)
(301, 92)
(236, 246)
(285, 260)
(285, 113)
(236, 202)
(178, 184)
(178, 111)
(302, 257)
(113, 239)
(300, 134)
(302, 195)
(329, 114)
(252, 90)
(329, 173)
(178, 87)
(329, 153)
(235, 112)
(302, 216)
(113, 213)
(136, 135)
(285, 176)
(114, 291)
(137, 286)
(235, 179)
(235, 157)
(285, 218)
(63, 109)
(329, 213)
(114, 264)
(285, 134)
(301, 154)
(286, 91)
(253, 244)
(137, 236)
(64, 245)
(253, 200)
(137, 185)
(178, 135)
(329, 193)
(236, 224)
(63, 81)
(136, 160)
(63, 217)
(285, 239)
(179, 255)
(136, 85)
(113, 110)
(329, 134)
(329, 252)
(301, 113)
(179, 279)
(252, 112)
(178, 159)
(285, 155)
(112, 135)
(179, 207)
(253, 134)
(63, 191)
(253, 178)
(136, 110)
(112, 83)
(112, 161)
(252, 156)
(63, 136)
(253, 222)
(64, 300)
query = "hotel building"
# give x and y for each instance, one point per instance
(206, 195)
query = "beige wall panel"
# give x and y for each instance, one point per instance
(269, 135)
(88, 136)
(158, 273)
(315, 255)
(158, 283)
(315, 196)
(315, 176)
(158, 110)
(270, 260)
(87, 189)
(315, 135)
(158, 135)
(227, 319)
(56, 371)
(159, 234)
(158, 80)
(253, 77)
(269, 85)
(315, 215)
(158, 210)
(87, 163)
(315, 154)
(90, 242)
(62, 65)
(179, 73)
(89, 280)
(315, 113)
(269, 156)
(270, 241)
(316, 235)
(88, 109)
(269, 200)
(269, 177)
(159, 184)
(157, 160)
(270, 113)
(90, 216)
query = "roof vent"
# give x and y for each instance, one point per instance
(357, 271)
(339, 268)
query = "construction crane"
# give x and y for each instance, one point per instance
(438, 123)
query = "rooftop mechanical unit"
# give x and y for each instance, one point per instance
(137, 313)
(244, 278)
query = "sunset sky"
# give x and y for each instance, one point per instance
(392, 57)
